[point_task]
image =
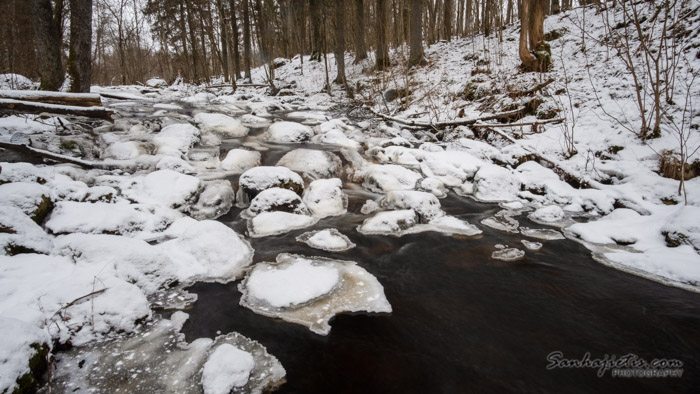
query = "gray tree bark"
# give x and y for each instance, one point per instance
(48, 45)
(80, 52)
(416, 57)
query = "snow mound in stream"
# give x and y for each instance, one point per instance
(317, 164)
(325, 198)
(221, 124)
(226, 368)
(176, 139)
(277, 222)
(240, 160)
(288, 132)
(330, 240)
(311, 290)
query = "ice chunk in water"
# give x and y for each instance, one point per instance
(531, 245)
(214, 201)
(548, 214)
(502, 220)
(311, 290)
(330, 240)
(508, 254)
(278, 222)
(325, 197)
(402, 222)
(157, 360)
(541, 233)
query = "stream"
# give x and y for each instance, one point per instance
(462, 321)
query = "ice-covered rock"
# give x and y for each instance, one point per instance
(370, 206)
(495, 183)
(424, 204)
(508, 254)
(227, 367)
(317, 164)
(175, 164)
(215, 200)
(325, 197)
(20, 234)
(388, 177)
(311, 290)
(240, 160)
(336, 137)
(389, 222)
(250, 120)
(434, 186)
(548, 214)
(31, 198)
(277, 199)
(288, 132)
(221, 124)
(176, 139)
(278, 222)
(208, 251)
(330, 240)
(260, 178)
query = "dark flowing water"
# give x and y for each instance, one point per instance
(463, 322)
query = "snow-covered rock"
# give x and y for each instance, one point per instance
(388, 177)
(260, 178)
(221, 124)
(325, 197)
(330, 240)
(31, 198)
(311, 290)
(288, 132)
(163, 187)
(20, 343)
(277, 199)
(240, 160)
(226, 368)
(175, 164)
(215, 200)
(16, 82)
(424, 204)
(208, 251)
(176, 139)
(278, 222)
(495, 183)
(157, 83)
(548, 214)
(389, 222)
(125, 150)
(317, 164)
(20, 234)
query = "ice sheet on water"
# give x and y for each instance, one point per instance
(545, 234)
(158, 360)
(531, 245)
(508, 254)
(330, 240)
(405, 221)
(311, 290)
(503, 221)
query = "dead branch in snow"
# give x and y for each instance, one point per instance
(21, 106)
(518, 113)
(58, 98)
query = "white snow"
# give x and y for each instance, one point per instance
(175, 164)
(325, 197)
(240, 160)
(294, 284)
(16, 350)
(264, 177)
(278, 222)
(330, 240)
(384, 178)
(19, 232)
(548, 214)
(176, 139)
(215, 200)
(424, 204)
(288, 132)
(163, 187)
(24, 195)
(316, 163)
(495, 183)
(221, 124)
(277, 199)
(227, 367)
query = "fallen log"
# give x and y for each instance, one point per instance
(11, 105)
(60, 98)
(44, 154)
(544, 121)
(518, 113)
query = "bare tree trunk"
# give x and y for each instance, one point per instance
(224, 39)
(235, 40)
(246, 39)
(359, 36)
(340, 41)
(529, 61)
(193, 40)
(449, 16)
(315, 14)
(48, 45)
(79, 59)
(416, 56)
(382, 52)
